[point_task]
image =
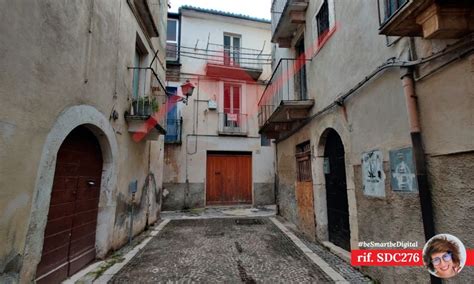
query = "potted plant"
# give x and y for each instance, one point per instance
(145, 106)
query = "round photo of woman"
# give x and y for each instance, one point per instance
(444, 255)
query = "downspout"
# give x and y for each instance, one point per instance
(419, 156)
(276, 186)
(418, 152)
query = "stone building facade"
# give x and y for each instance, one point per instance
(371, 108)
(213, 152)
(79, 80)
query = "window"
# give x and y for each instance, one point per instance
(391, 6)
(172, 36)
(173, 123)
(231, 49)
(232, 105)
(303, 162)
(264, 141)
(300, 76)
(139, 61)
(322, 20)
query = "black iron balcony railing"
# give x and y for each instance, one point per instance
(233, 124)
(238, 57)
(287, 83)
(174, 130)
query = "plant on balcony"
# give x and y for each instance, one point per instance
(145, 106)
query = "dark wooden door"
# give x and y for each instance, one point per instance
(229, 178)
(69, 238)
(336, 192)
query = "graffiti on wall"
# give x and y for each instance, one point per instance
(402, 170)
(373, 176)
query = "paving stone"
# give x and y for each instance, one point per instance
(221, 250)
(349, 272)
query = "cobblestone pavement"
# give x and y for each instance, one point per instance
(349, 273)
(222, 250)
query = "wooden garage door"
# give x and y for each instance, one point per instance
(69, 238)
(229, 178)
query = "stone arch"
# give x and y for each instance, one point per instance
(320, 185)
(69, 119)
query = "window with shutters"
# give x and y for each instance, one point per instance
(232, 119)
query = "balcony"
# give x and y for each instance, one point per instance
(145, 119)
(146, 13)
(287, 16)
(234, 63)
(174, 131)
(284, 104)
(430, 19)
(234, 124)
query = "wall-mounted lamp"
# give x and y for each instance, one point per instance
(187, 90)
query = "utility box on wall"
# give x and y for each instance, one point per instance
(212, 105)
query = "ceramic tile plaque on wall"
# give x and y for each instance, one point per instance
(373, 176)
(402, 170)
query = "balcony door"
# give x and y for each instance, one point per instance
(172, 130)
(232, 106)
(231, 49)
(300, 82)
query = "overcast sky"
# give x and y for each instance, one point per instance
(254, 8)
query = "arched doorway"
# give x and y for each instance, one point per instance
(70, 234)
(336, 191)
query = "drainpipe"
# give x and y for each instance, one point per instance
(276, 181)
(419, 156)
(418, 152)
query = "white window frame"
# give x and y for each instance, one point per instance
(332, 16)
(139, 75)
(243, 97)
(173, 41)
(232, 47)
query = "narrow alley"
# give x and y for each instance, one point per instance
(205, 141)
(210, 247)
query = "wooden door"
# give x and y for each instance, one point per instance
(69, 238)
(229, 178)
(304, 191)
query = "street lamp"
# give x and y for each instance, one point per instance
(187, 90)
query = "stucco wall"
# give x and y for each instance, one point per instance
(375, 118)
(185, 163)
(199, 29)
(450, 177)
(55, 56)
